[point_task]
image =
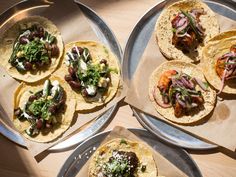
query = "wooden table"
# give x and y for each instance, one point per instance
(121, 16)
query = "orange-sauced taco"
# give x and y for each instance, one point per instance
(122, 157)
(219, 62)
(31, 49)
(92, 71)
(44, 110)
(180, 93)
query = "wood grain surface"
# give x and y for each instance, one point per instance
(121, 16)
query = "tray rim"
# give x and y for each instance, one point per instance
(169, 141)
(229, 4)
(69, 162)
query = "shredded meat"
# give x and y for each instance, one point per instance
(185, 37)
(186, 42)
(220, 66)
(178, 110)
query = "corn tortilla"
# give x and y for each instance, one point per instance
(97, 52)
(21, 96)
(141, 150)
(193, 71)
(215, 48)
(164, 32)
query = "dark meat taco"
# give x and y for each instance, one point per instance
(183, 28)
(121, 157)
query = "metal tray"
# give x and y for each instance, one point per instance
(103, 33)
(175, 155)
(134, 49)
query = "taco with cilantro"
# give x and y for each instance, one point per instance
(31, 49)
(92, 71)
(122, 157)
(44, 110)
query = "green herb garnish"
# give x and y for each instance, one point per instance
(122, 141)
(192, 23)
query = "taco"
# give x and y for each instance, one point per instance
(219, 62)
(122, 157)
(183, 28)
(180, 93)
(43, 111)
(92, 71)
(31, 49)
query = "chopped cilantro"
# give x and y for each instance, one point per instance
(122, 141)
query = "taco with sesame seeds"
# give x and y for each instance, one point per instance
(122, 157)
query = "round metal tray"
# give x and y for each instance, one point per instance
(134, 49)
(103, 33)
(83, 152)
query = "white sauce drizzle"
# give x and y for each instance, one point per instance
(91, 89)
(76, 48)
(45, 86)
(55, 87)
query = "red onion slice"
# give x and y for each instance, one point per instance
(229, 72)
(161, 104)
(176, 82)
(197, 12)
(181, 28)
(230, 54)
(187, 83)
(201, 84)
(182, 103)
(230, 68)
(182, 22)
(233, 75)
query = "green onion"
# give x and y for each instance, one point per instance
(228, 63)
(122, 141)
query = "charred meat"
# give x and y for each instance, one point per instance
(226, 66)
(187, 30)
